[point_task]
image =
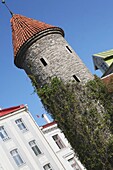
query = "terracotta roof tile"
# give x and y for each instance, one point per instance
(24, 28)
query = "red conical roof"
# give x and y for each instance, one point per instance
(23, 29)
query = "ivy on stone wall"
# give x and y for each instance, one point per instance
(85, 115)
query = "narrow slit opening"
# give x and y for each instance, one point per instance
(76, 78)
(43, 61)
(69, 49)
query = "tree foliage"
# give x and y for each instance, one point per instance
(85, 115)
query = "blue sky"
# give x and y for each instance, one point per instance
(88, 27)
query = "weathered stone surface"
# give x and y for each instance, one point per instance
(61, 62)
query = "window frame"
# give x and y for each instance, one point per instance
(58, 141)
(4, 136)
(49, 166)
(74, 164)
(104, 66)
(17, 157)
(21, 125)
(33, 145)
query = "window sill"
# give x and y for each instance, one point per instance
(24, 131)
(22, 165)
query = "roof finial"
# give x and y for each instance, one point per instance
(3, 1)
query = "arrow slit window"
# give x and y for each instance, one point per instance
(43, 61)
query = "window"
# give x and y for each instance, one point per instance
(47, 167)
(73, 164)
(34, 147)
(3, 134)
(43, 61)
(21, 125)
(69, 49)
(58, 141)
(17, 158)
(76, 78)
(104, 66)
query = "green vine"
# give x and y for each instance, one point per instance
(85, 115)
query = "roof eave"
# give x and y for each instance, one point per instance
(18, 59)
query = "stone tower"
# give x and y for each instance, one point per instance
(41, 50)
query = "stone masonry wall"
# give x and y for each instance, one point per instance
(60, 61)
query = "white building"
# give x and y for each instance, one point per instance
(26, 146)
(60, 145)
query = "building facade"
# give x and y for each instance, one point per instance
(61, 146)
(25, 146)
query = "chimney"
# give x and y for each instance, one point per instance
(46, 118)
